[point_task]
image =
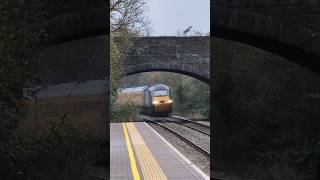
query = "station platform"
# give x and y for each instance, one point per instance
(138, 152)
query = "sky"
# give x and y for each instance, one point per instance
(170, 16)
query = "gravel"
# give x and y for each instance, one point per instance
(194, 124)
(199, 127)
(196, 157)
(196, 137)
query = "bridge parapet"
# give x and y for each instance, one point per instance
(186, 55)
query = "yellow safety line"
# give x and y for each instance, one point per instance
(148, 164)
(133, 164)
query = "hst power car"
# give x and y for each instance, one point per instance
(153, 100)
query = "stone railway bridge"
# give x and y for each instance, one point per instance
(78, 31)
(289, 28)
(86, 58)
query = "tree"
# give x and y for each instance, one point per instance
(128, 20)
(130, 16)
(22, 34)
(116, 71)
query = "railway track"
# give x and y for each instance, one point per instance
(182, 136)
(190, 121)
(202, 128)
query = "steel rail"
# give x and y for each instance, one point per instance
(193, 128)
(187, 120)
(202, 150)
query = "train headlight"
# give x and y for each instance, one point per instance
(170, 101)
(155, 102)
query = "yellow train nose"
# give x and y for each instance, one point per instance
(162, 103)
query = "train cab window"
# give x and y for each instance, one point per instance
(161, 93)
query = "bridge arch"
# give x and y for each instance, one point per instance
(279, 27)
(188, 70)
(71, 20)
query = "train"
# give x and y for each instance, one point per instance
(84, 102)
(152, 100)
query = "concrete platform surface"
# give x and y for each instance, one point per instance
(138, 152)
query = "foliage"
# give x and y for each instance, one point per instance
(129, 16)
(270, 108)
(123, 112)
(128, 20)
(116, 71)
(194, 97)
(60, 152)
(22, 33)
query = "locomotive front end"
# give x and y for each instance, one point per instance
(162, 101)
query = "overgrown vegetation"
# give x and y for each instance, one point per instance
(22, 34)
(128, 20)
(60, 152)
(116, 71)
(126, 111)
(266, 112)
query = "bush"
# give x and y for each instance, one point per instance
(60, 152)
(127, 111)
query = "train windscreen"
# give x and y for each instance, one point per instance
(161, 93)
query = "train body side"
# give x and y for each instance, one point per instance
(136, 97)
(152, 100)
(83, 103)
